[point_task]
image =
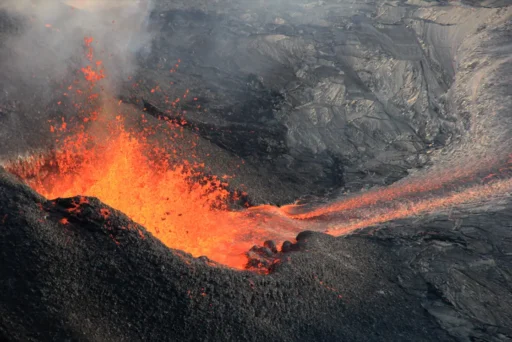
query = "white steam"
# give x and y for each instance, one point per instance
(49, 45)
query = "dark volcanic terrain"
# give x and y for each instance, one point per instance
(318, 98)
(438, 278)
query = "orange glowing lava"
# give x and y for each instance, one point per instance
(183, 213)
(402, 209)
(399, 190)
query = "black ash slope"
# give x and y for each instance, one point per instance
(90, 279)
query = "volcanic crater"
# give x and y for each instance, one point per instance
(239, 170)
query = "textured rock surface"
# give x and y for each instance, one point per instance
(335, 93)
(464, 259)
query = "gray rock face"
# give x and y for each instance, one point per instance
(338, 93)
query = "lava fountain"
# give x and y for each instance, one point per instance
(127, 167)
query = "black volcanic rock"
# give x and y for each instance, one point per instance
(464, 258)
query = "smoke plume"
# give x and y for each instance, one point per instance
(42, 51)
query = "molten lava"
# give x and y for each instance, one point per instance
(130, 175)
